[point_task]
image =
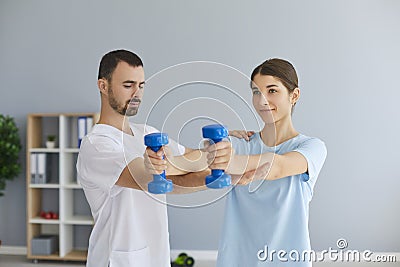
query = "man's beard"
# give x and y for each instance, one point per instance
(122, 109)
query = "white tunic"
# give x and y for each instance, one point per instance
(131, 226)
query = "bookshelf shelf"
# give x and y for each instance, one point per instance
(44, 150)
(76, 255)
(71, 150)
(80, 220)
(49, 185)
(38, 220)
(54, 256)
(73, 186)
(58, 191)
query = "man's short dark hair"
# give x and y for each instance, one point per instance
(110, 61)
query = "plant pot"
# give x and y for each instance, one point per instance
(50, 144)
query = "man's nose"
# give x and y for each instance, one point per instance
(138, 93)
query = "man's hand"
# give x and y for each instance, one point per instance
(154, 162)
(258, 174)
(219, 155)
(241, 134)
(157, 162)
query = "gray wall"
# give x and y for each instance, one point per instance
(346, 52)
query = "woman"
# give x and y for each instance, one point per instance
(266, 222)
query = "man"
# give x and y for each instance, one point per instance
(131, 227)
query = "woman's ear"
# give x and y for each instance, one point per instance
(295, 96)
(102, 85)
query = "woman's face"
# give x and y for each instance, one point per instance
(271, 98)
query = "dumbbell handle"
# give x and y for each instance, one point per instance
(217, 172)
(160, 176)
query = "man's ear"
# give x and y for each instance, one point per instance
(102, 84)
(295, 95)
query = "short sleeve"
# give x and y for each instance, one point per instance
(314, 150)
(101, 161)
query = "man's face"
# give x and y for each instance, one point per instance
(125, 91)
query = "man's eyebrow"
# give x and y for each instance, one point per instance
(134, 82)
(129, 81)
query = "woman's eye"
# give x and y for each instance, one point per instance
(256, 92)
(127, 86)
(272, 91)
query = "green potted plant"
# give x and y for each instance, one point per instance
(51, 141)
(10, 146)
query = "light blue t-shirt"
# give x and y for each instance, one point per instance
(271, 215)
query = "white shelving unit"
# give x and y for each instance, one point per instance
(61, 194)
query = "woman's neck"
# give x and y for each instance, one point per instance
(276, 133)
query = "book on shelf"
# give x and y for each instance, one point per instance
(89, 124)
(42, 174)
(85, 124)
(81, 129)
(34, 168)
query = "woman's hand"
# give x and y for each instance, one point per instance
(241, 134)
(219, 155)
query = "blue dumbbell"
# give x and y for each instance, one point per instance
(159, 185)
(218, 178)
